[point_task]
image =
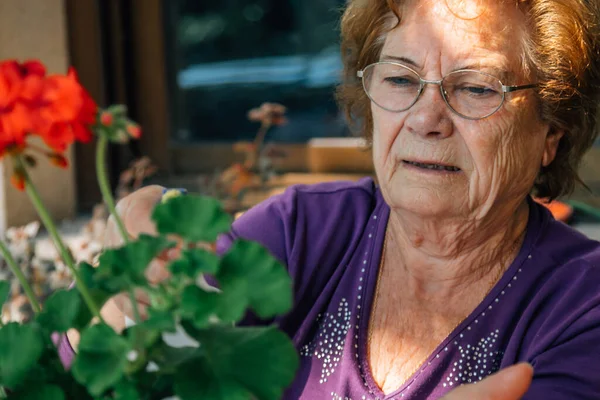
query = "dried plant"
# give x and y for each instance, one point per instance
(133, 177)
(257, 167)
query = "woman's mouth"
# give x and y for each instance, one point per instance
(431, 166)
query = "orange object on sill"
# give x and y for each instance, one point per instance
(561, 211)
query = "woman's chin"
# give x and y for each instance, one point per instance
(425, 203)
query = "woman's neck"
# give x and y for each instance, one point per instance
(439, 258)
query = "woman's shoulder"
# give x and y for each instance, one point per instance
(557, 328)
(568, 248)
(562, 300)
(306, 216)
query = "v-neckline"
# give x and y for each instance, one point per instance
(367, 304)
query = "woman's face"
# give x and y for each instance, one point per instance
(497, 158)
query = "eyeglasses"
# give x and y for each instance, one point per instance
(469, 93)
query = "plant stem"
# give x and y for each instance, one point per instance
(136, 312)
(107, 196)
(3, 393)
(58, 242)
(20, 276)
(260, 137)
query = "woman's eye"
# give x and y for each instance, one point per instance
(478, 90)
(399, 80)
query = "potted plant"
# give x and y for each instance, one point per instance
(223, 361)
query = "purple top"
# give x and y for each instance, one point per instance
(545, 309)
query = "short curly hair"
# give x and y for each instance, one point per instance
(562, 49)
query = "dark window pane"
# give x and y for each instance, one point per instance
(232, 55)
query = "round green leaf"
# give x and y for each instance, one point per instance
(195, 380)
(21, 347)
(101, 358)
(238, 363)
(126, 390)
(250, 272)
(194, 218)
(194, 262)
(46, 392)
(60, 311)
(199, 305)
(121, 268)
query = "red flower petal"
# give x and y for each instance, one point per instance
(18, 180)
(59, 160)
(33, 67)
(82, 132)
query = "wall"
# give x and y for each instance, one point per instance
(35, 29)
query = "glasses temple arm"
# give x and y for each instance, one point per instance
(508, 89)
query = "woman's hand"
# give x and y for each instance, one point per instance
(509, 384)
(135, 210)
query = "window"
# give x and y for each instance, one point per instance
(226, 57)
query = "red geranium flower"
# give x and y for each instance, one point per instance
(56, 108)
(20, 84)
(68, 111)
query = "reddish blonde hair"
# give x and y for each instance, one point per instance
(562, 49)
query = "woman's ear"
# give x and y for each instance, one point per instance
(551, 145)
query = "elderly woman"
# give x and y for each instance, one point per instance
(444, 271)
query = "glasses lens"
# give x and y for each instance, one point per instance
(391, 86)
(473, 94)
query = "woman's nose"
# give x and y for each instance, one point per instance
(429, 116)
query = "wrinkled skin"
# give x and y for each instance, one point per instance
(499, 156)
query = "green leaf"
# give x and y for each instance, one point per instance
(60, 311)
(118, 110)
(170, 359)
(126, 390)
(46, 392)
(4, 292)
(195, 380)
(251, 274)
(21, 346)
(194, 262)
(238, 363)
(194, 218)
(122, 268)
(199, 306)
(101, 358)
(100, 294)
(159, 320)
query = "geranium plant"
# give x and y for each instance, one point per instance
(223, 361)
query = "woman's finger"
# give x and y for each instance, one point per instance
(509, 384)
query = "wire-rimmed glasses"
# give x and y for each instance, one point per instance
(469, 93)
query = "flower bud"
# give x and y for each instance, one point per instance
(18, 180)
(134, 131)
(59, 160)
(106, 118)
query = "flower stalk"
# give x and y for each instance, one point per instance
(12, 264)
(53, 232)
(105, 189)
(109, 200)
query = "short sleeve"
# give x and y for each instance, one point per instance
(566, 359)
(570, 370)
(270, 223)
